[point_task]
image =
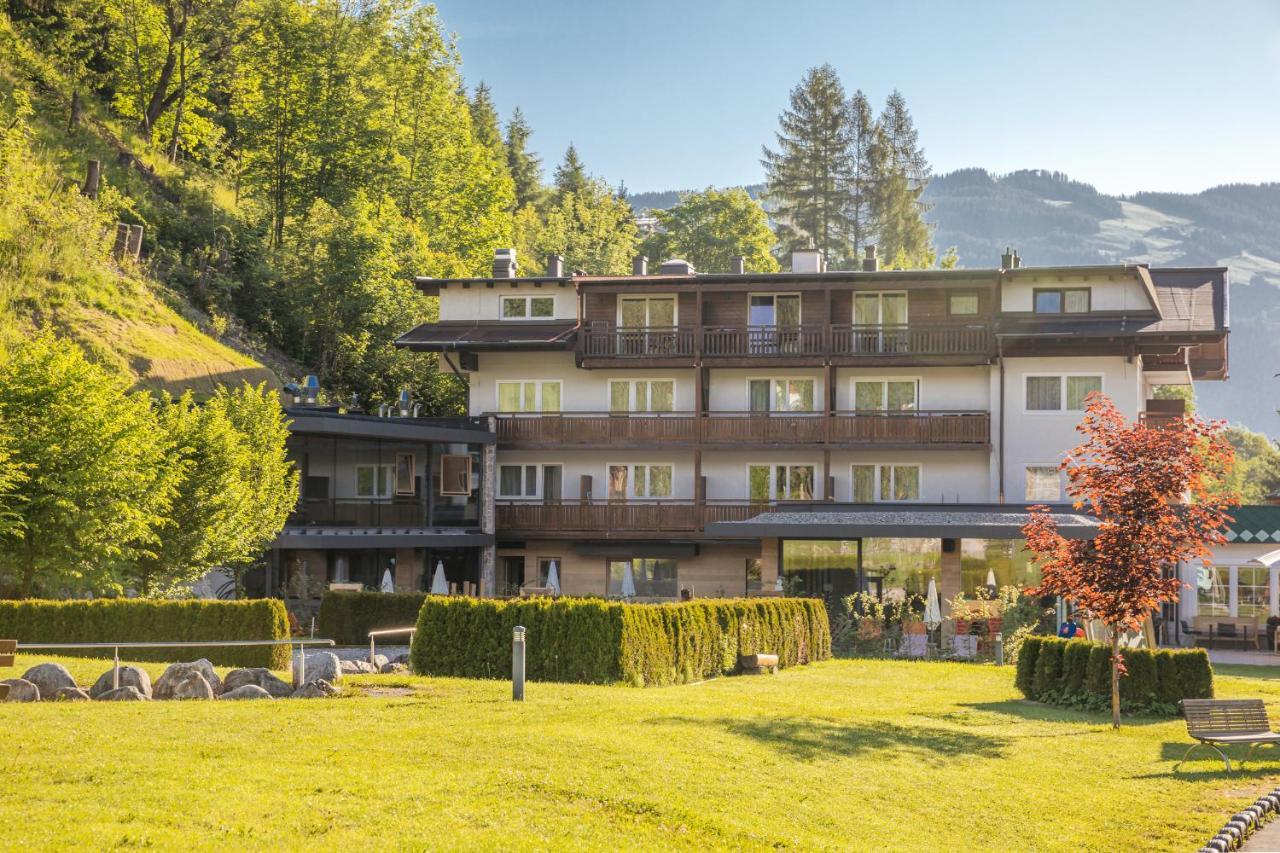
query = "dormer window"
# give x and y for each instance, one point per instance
(528, 307)
(1062, 300)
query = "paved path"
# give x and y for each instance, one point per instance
(1265, 840)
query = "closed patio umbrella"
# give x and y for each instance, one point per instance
(439, 586)
(388, 583)
(628, 582)
(553, 578)
(932, 609)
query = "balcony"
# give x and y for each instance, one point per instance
(605, 518)
(603, 344)
(888, 430)
(358, 512)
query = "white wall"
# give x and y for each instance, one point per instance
(940, 387)
(596, 463)
(1104, 295)
(729, 392)
(726, 470)
(581, 390)
(945, 476)
(481, 302)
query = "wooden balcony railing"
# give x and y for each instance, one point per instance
(672, 515)
(843, 341)
(859, 428)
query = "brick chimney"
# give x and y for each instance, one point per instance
(555, 266)
(639, 265)
(504, 263)
(870, 263)
(808, 261)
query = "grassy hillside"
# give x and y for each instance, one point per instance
(56, 270)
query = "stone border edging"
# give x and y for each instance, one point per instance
(1242, 824)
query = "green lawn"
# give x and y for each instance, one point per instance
(845, 754)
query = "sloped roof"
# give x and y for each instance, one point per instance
(1255, 523)
(1191, 300)
(493, 335)
(936, 521)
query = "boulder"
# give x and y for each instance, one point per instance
(123, 694)
(257, 676)
(177, 673)
(71, 694)
(130, 676)
(320, 666)
(49, 678)
(393, 668)
(246, 691)
(404, 659)
(21, 690)
(318, 689)
(187, 685)
(379, 661)
(350, 667)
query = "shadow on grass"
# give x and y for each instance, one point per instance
(805, 738)
(1243, 670)
(1028, 710)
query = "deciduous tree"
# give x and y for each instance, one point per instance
(708, 228)
(1150, 490)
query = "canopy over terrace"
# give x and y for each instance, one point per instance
(836, 549)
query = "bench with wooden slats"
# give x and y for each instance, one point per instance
(1221, 722)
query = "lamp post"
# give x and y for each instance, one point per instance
(517, 663)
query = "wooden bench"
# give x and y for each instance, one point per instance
(1216, 723)
(758, 663)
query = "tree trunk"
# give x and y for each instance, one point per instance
(77, 109)
(1115, 677)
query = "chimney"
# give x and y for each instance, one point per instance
(808, 260)
(676, 266)
(555, 266)
(639, 265)
(504, 263)
(1017, 260)
(738, 265)
(870, 263)
(1006, 260)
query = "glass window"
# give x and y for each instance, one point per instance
(653, 578)
(647, 311)
(780, 482)
(1075, 301)
(525, 307)
(781, 395)
(373, 481)
(518, 481)
(899, 395)
(1044, 483)
(528, 396)
(641, 395)
(755, 571)
(542, 306)
(864, 484)
(544, 569)
(962, 303)
(879, 309)
(639, 481)
(514, 307)
(455, 475)
(1044, 393)
(1048, 301)
(1212, 591)
(1079, 387)
(885, 483)
(894, 568)
(770, 309)
(1008, 559)
(1253, 591)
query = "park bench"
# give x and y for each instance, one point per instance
(8, 648)
(1216, 723)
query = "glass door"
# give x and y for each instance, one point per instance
(773, 322)
(552, 476)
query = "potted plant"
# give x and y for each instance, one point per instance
(1273, 622)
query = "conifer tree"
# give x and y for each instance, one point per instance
(570, 175)
(902, 141)
(484, 122)
(810, 176)
(525, 169)
(868, 170)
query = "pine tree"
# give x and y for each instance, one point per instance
(905, 238)
(810, 177)
(484, 122)
(570, 175)
(525, 169)
(868, 170)
(902, 141)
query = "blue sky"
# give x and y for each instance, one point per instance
(1175, 96)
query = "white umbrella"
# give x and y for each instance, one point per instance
(553, 578)
(932, 609)
(388, 583)
(991, 577)
(628, 582)
(439, 586)
(778, 586)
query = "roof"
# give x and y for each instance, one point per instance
(1191, 300)
(491, 335)
(921, 521)
(1255, 523)
(359, 537)
(304, 421)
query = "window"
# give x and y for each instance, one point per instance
(780, 395)
(528, 307)
(1044, 483)
(530, 481)
(873, 483)
(773, 309)
(886, 395)
(642, 395)
(1070, 300)
(780, 482)
(755, 574)
(374, 481)
(544, 569)
(653, 578)
(962, 304)
(879, 309)
(529, 396)
(1253, 591)
(639, 481)
(455, 475)
(1059, 393)
(638, 312)
(1212, 583)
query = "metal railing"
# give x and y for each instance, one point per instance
(388, 632)
(184, 644)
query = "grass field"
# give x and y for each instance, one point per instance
(844, 754)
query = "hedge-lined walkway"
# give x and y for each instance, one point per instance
(840, 754)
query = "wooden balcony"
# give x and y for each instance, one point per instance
(604, 344)
(888, 430)
(629, 518)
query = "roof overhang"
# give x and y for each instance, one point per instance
(335, 537)
(452, 430)
(919, 521)
(495, 335)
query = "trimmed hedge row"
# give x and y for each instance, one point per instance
(136, 620)
(1078, 673)
(348, 617)
(600, 642)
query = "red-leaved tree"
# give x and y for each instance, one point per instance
(1149, 488)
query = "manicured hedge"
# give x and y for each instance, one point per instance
(136, 620)
(348, 617)
(1078, 673)
(599, 642)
